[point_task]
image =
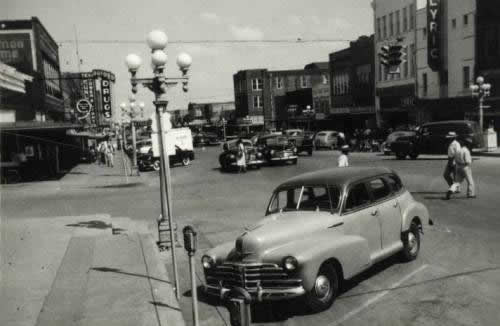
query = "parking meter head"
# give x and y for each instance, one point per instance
(190, 242)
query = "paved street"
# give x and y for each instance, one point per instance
(455, 280)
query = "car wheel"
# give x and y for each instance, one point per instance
(325, 289)
(413, 156)
(310, 152)
(294, 161)
(186, 160)
(156, 165)
(400, 155)
(411, 243)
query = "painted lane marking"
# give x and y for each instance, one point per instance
(379, 296)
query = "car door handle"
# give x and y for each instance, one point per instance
(375, 212)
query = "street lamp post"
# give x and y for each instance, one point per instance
(224, 128)
(131, 112)
(159, 84)
(481, 90)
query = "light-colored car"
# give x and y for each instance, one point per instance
(326, 139)
(144, 146)
(320, 229)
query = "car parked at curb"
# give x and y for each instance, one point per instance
(303, 140)
(320, 229)
(326, 139)
(229, 157)
(206, 139)
(277, 149)
(393, 137)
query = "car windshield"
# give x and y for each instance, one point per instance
(305, 198)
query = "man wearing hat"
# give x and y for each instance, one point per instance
(453, 148)
(343, 160)
(463, 161)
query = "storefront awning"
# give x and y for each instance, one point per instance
(12, 79)
(37, 125)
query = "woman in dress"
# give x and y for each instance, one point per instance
(241, 159)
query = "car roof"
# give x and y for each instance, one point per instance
(336, 176)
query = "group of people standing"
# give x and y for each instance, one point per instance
(104, 155)
(459, 166)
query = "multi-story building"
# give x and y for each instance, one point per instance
(446, 67)
(487, 24)
(212, 112)
(352, 86)
(395, 93)
(282, 98)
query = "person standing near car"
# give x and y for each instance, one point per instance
(241, 159)
(463, 161)
(343, 160)
(453, 148)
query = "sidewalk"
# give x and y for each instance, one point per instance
(84, 270)
(494, 153)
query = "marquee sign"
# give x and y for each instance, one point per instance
(433, 34)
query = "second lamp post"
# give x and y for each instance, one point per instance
(130, 111)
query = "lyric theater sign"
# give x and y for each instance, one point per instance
(433, 34)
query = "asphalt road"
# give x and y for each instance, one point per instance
(454, 281)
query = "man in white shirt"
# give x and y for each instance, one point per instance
(343, 160)
(463, 161)
(453, 148)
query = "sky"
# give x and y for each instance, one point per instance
(124, 25)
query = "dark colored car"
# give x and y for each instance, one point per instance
(206, 139)
(150, 162)
(303, 140)
(229, 157)
(277, 148)
(431, 138)
(386, 145)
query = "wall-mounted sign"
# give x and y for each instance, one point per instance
(83, 107)
(15, 50)
(88, 89)
(106, 98)
(434, 34)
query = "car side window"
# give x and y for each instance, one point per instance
(315, 198)
(358, 197)
(379, 189)
(395, 183)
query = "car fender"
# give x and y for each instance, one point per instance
(311, 252)
(412, 209)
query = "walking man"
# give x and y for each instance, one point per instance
(463, 162)
(453, 148)
(343, 160)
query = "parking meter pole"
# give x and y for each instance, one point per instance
(194, 291)
(165, 189)
(239, 307)
(134, 151)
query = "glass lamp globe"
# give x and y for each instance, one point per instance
(184, 60)
(157, 40)
(486, 87)
(132, 105)
(141, 105)
(480, 80)
(131, 98)
(159, 58)
(123, 105)
(133, 62)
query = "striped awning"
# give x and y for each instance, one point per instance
(12, 79)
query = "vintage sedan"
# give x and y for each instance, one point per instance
(148, 161)
(320, 229)
(277, 148)
(228, 158)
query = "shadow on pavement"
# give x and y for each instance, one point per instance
(164, 305)
(119, 271)
(92, 225)
(121, 185)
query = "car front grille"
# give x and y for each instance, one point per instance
(250, 276)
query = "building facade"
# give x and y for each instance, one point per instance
(251, 91)
(395, 94)
(352, 86)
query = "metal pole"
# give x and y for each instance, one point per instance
(481, 99)
(165, 187)
(134, 152)
(194, 292)
(224, 129)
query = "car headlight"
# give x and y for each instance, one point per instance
(207, 262)
(232, 157)
(295, 150)
(259, 155)
(290, 263)
(272, 152)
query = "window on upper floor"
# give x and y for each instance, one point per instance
(405, 19)
(257, 102)
(424, 33)
(257, 84)
(398, 22)
(453, 23)
(384, 25)
(466, 77)
(379, 30)
(412, 16)
(424, 84)
(391, 24)
(279, 82)
(466, 20)
(410, 56)
(324, 79)
(303, 81)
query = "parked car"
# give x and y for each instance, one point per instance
(431, 138)
(229, 156)
(326, 139)
(320, 229)
(150, 162)
(143, 146)
(277, 148)
(386, 145)
(206, 139)
(303, 140)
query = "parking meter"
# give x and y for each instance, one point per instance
(190, 244)
(190, 240)
(239, 306)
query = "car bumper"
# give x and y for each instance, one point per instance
(256, 162)
(260, 294)
(288, 158)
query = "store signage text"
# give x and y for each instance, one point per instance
(434, 34)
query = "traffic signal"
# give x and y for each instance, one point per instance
(384, 55)
(395, 55)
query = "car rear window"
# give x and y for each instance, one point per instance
(379, 189)
(321, 133)
(394, 182)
